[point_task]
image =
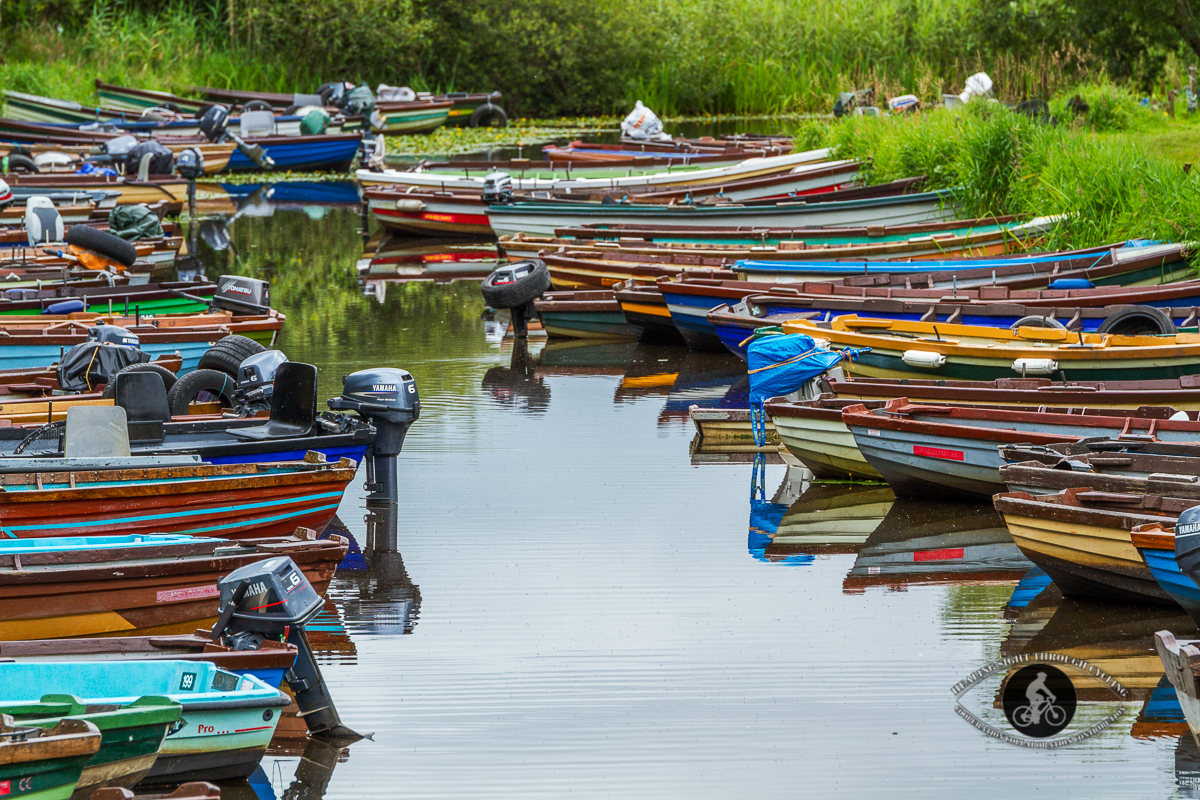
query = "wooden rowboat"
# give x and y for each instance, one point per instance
(902, 349)
(542, 217)
(1181, 393)
(1084, 542)
(229, 500)
(929, 450)
(228, 719)
(47, 762)
(126, 584)
(931, 240)
(131, 735)
(582, 315)
(813, 432)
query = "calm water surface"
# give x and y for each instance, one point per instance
(569, 601)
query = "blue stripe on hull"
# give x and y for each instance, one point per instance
(354, 453)
(301, 154)
(38, 356)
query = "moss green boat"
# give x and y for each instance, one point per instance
(37, 764)
(130, 736)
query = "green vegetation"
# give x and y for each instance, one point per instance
(1103, 170)
(555, 57)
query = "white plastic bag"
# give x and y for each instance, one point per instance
(642, 123)
(401, 94)
(978, 85)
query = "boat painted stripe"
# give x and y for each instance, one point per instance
(937, 452)
(643, 308)
(946, 554)
(182, 514)
(469, 219)
(260, 728)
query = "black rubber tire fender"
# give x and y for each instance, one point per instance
(488, 115)
(1037, 321)
(16, 162)
(102, 242)
(189, 387)
(533, 279)
(169, 378)
(229, 353)
(1133, 320)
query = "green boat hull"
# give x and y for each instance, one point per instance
(130, 737)
(53, 779)
(587, 324)
(170, 305)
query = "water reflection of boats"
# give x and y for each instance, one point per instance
(380, 599)
(921, 542)
(832, 518)
(706, 380)
(585, 357)
(651, 371)
(1032, 583)
(520, 385)
(1161, 715)
(1187, 767)
(391, 259)
(317, 760)
(1118, 638)
(765, 515)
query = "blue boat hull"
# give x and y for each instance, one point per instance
(1180, 587)
(302, 153)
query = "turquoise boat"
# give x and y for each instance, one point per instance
(228, 719)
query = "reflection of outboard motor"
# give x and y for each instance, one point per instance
(214, 124)
(272, 598)
(256, 382)
(387, 398)
(108, 349)
(242, 295)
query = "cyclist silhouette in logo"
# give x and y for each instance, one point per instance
(1041, 700)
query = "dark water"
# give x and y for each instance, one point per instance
(568, 601)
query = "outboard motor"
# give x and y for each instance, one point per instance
(6, 195)
(1187, 550)
(256, 382)
(214, 124)
(242, 295)
(43, 223)
(387, 398)
(108, 350)
(497, 187)
(272, 598)
(113, 334)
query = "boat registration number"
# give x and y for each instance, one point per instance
(937, 452)
(191, 593)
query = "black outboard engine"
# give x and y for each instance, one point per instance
(152, 155)
(272, 598)
(109, 349)
(242, 295)
(256, 382)
(387, 398)
(1187, 552)
(113, 334)
(497, 187)
(214, 124)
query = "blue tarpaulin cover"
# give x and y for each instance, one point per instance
(781, 364)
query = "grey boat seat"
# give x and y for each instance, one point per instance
(293, 405)
(96, 432)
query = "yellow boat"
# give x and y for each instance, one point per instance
(906, 349)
